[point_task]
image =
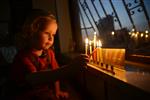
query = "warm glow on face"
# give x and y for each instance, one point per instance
(46, 38)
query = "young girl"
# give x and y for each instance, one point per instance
(36, 55)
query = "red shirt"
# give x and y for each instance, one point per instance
(26, 62)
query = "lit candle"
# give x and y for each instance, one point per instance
(100, 43)
(94, 40)
(90, 43)
(86, 45)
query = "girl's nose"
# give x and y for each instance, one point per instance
(50, 38)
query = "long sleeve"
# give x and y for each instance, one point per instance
(48, 76)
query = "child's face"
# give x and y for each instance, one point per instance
(46, 37)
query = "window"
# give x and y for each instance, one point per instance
(118, 23)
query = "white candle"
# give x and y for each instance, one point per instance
(90, 43)
(94, 40)
(86, 45)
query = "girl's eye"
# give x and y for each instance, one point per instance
(47, 33)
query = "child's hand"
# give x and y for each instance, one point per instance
(62, 94)
(80, 60)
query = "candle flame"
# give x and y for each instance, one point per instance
(146, 31)
(141, 34)
(100, 43)
(86, 40)
(133, 30)
(113, 33)
(146, 36)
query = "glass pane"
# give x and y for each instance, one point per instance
(114, 20)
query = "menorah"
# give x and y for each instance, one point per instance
(104, 58)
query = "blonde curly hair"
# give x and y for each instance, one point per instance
(35, 22)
